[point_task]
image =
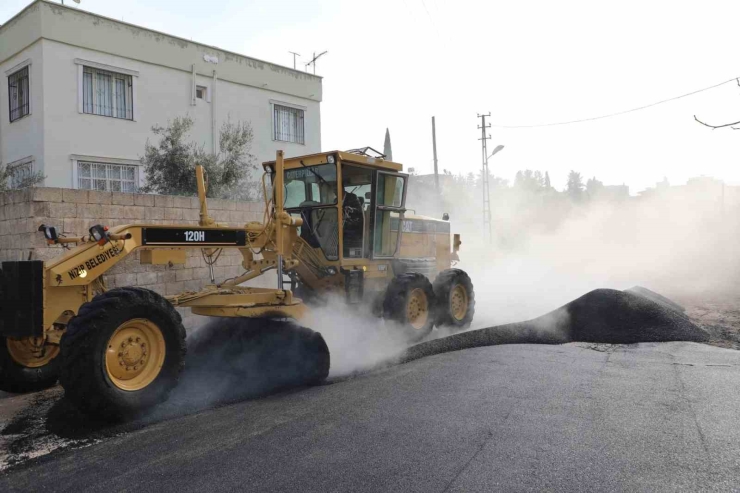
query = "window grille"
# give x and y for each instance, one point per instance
(288, 124)
(107, 177)
(18, 94)
(107, 93)
(20, 174)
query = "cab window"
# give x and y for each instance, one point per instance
(311, 186)
(389, 202)
(357, 187)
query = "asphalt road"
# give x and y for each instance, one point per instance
(577, 417)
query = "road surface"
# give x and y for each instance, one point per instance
(576, 417)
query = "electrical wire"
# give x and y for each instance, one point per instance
(610, 115)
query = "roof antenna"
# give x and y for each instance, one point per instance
(313, 61)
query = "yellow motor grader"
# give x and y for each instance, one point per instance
(335, 224)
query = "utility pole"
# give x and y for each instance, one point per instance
(484, 177)
(294, 55)
(434, 148)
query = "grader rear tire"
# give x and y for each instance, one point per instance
(409, 301)
(123, 353)
(455, 299)
(28, 364)
(24, 367)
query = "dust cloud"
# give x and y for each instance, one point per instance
(548, 249)
(358, 341)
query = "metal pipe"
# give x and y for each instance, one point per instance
(192, 89)
(278, 208)
(214, 146)
(280, 272)
(205, 220)
(434, 150)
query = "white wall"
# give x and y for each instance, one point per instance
(53, 36)
(24, 137)
(160, 94)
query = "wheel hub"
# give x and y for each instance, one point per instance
(135, 354)
(31, 352)
(459, 302)
(417, 308)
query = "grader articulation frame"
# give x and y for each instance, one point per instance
(120, 351)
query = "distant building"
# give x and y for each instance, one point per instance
(700, 190)
(426, 181)
(82, 91)
(615, 192)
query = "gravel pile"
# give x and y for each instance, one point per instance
(235, 358)
(602, 316)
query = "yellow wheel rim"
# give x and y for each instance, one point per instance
(135, 354)
(417, 309)
(31, 352)
(459, 302)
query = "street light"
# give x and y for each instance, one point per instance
(498, 148)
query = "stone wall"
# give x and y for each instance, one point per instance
(73, 212)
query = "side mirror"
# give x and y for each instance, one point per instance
(368, 195)
(445, 217)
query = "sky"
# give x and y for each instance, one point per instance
(396, 63)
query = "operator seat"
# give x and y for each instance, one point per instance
(307, 228)
(354, 225)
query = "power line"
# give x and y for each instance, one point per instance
(610, 115)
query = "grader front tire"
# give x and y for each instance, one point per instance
(455, 299)
(123, 353)
(409, 301)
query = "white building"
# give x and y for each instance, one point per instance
(81, 93)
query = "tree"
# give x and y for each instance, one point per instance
(170, 166)
(574, 187)
(29, 180)
(547, 180)
(594, 186)
(528, 180)
(539, 179)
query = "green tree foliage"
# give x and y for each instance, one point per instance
(574, 187)
(27, 181)
(530, 181)
(170, 165)
(594, 187)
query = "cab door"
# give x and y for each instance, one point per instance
(389, 203)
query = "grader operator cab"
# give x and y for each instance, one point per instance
(335, 223)
(356, 238)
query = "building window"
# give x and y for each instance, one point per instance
(107, 177)
(20, 175)
(288, 124)
(107, 93)
(18, 94)
(200, 92)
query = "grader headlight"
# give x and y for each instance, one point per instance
(98, 233)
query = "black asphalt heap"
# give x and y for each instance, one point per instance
(602, 316)
(232, 358)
